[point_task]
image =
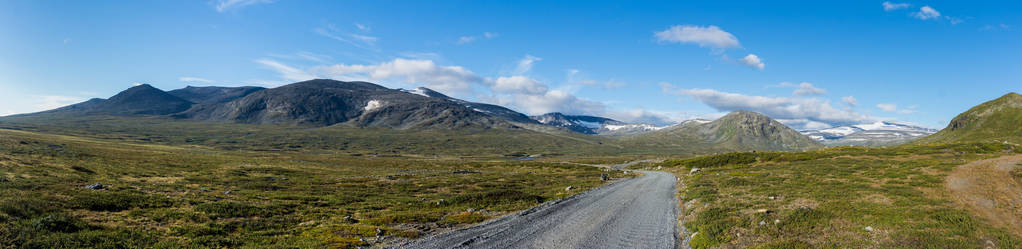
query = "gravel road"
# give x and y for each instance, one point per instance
(633, 213)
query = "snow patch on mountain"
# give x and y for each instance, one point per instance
(373, 105)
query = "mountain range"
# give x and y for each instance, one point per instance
(328, 103)
(881, 133)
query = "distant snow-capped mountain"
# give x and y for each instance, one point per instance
(872, 134)
(593, 125)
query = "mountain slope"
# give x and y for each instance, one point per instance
(138, 100)
(488, 109)
(593, 125)
(996, 120)
(213, 94)
(736, 131)
(329, 102)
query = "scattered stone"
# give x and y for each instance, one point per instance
(228, 192)
(456, 172)
(23, 142)
(471, 210)
(380, 232)
(694, 170)
(869, 229)
(772, 198)
(762, 223)
(440, 202)
(694, 234)
(777, 221)
(4, 179)
(95, 186)
(764, 211)
(55, 147)
(659, 167)
(569, 188)
(205, 190)
(308, 223)
(604, 177)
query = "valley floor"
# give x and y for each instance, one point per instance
(59, 191)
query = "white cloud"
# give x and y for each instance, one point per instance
(194, 79)
(654, 117)
(851, 101)
(889, 6)
(362, 27)
(471, 38)
(926, 13)
(406, 71)
(519, 84)
(225, 5)
(709, 36)
(359, 41)
(999, 27)
(525, 64)
(888, 107)
(54, 101)
(466, 40)
(811, 109)
(552, 101)
(753, 61)
(285, 71)
(894, 108)
(807, 89)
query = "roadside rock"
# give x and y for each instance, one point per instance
(95, 186)
(569, 188)
(694, 170)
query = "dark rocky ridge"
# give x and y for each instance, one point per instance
(138, 100)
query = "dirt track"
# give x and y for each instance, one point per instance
(633, 213)
(986, 188)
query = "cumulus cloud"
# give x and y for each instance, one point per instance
(643, 116)
(793, 108)
(226, 5)
(888, 107)
(807, 89)
(926, 13)
(889, 6)
(519, 84)
(753, 61)
(553, 101)
(708, 36)
(850, 101)
(441, 78)
(194, 79)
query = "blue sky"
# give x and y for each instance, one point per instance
(809, 64)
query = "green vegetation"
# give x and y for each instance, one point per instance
(162, 191)
(844, 197)
(994, 121)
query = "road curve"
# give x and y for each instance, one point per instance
(633, 213)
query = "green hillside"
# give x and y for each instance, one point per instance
(998, 120)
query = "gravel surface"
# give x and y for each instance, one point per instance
(633, 213)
